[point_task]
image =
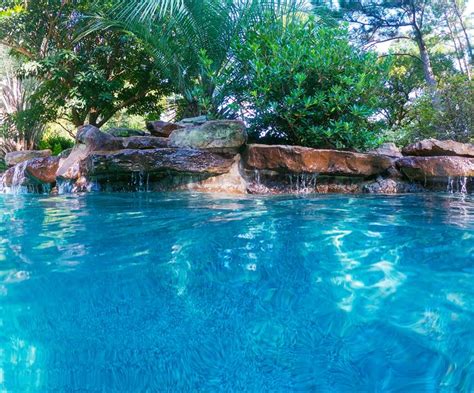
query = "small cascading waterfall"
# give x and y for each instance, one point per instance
(140, 181)
(257, 178)
(64, 186)
(3, 184)
(457, 185)
(303, 183)
(18, 181)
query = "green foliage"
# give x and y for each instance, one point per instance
(177, 33)
(405, 81)
(305, 84)
(56, 143)
(449, 116)
(84, 78)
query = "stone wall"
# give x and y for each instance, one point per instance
(213, 156)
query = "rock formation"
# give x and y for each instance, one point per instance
(211, 156)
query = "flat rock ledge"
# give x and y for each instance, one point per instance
(156, 161)
(422, 168)
(433, 147)
(298, 160)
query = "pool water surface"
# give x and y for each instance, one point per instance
(189, 292)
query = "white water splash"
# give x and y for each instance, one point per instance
(18, 181)
(303, 183)
(140, 181)
(457, 185)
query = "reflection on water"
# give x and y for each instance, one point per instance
(149, 292)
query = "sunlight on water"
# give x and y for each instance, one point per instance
(150, 292)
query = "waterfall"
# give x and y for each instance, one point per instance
(457, 185)
(64, 186)
(303, 183)
(18, 180)
(140, 181)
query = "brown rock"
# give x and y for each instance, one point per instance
(42, 170)
(297, 159)
(166, 161)
(95, 139)
(423, 168)
(15, 157)
(161, 128)
(387, 149)
(433, 147)
(232, 182)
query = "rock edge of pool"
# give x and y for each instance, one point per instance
(214, 157)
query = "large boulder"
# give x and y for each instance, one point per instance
(425, 168)
(91, 139)
(161, 128)
(94, 139)
(42, 170)
(387, 149)
(297, 159)
(69, 167)
(37, 171)
(433, 147)
(164, 161)
(15, 157)
(221, 136)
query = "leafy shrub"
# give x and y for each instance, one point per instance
(447, 115)
(305, 84)
(56, 143)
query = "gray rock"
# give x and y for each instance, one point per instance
(223, 136)
(391, 186)
(192, 121)
(165, 161)
(126, 132)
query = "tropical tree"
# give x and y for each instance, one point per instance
(21, 124)
(183, 35)
(84, 79)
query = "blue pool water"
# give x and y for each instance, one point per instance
(149, 292)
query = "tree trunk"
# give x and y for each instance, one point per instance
(425, 59)
(453, 38)
(463, 27)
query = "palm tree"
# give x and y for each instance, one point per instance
(191, 40)
(15, 103)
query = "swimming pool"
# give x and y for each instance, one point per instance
(184, 292)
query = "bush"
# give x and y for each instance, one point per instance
(305, 84)
(447, 115)
(56, 143)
